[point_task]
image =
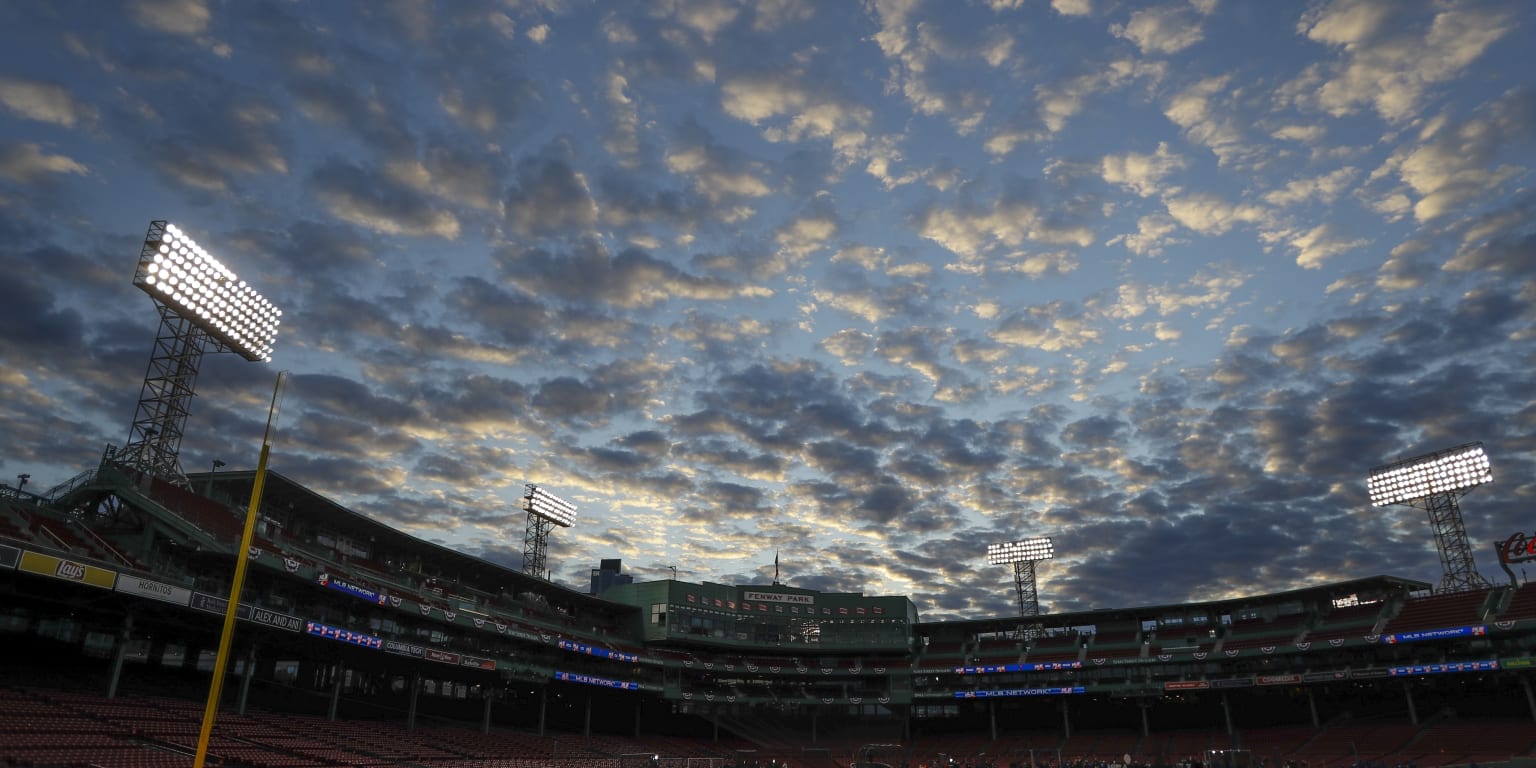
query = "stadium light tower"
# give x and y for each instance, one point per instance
(1433, 482)
(545, 511)
(203, 305)
(1023, 555)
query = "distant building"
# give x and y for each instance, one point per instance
(607, 575)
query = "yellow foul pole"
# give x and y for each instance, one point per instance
(222, 662)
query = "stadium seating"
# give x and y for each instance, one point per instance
(1059, 647)
(1457, 609)
(1522, 607)
(1348, 623)
(1355, 742)
(1257, 633)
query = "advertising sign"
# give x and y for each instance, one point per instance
(1279, 679)
(575, 677)
(1233, 682)
(68, 570)
(1186, 685)
(270, 618)
(1454, 667)
(154, 590)
(592, 650)
(340, 634)
(1325, 677)
(210, 603)
(347, 587)
(1044, 666)
(1009, 692)
(1479, 630)
(403, 649)
(446, 657)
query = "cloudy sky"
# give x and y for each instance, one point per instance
(868, 284)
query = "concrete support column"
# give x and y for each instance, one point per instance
(245, 680)
(1316, 723)
(410, 709)
(125, 636)
(1413, 710)
(992, 718)
(1066, 721)
(586, 723)
(1226, 711)
(341, 673)
(485, 718)
(543, 707)
(1145, 730)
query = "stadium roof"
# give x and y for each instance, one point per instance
(1333, 590)
(281, 491)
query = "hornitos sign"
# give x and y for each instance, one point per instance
(154, 590)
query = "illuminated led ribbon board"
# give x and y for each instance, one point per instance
(177, 272)
(1446, 471)
(1025, 551)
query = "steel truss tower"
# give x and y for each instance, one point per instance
(535, 544)
(1433, 482)
(545, 511)
(1460, 572)
(154, 441)
(203, 306)
(1023, 555)
(1024, 584)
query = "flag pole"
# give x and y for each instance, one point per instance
(241, 558)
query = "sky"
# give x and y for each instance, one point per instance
(865, 286)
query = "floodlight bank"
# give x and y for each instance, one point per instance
(174, 269)
(549, 506)
(1440, 472)
(1025, 551)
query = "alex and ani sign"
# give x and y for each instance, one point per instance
(69, 570)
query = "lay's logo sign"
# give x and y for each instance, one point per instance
(69, 570)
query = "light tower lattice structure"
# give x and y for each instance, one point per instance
(1023, 555)
(203, 305)
(1433, 482)
(545, 511)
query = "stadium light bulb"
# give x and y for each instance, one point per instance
(1024, 551)
(1454, 469)
(176, 270)
(542, 503)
